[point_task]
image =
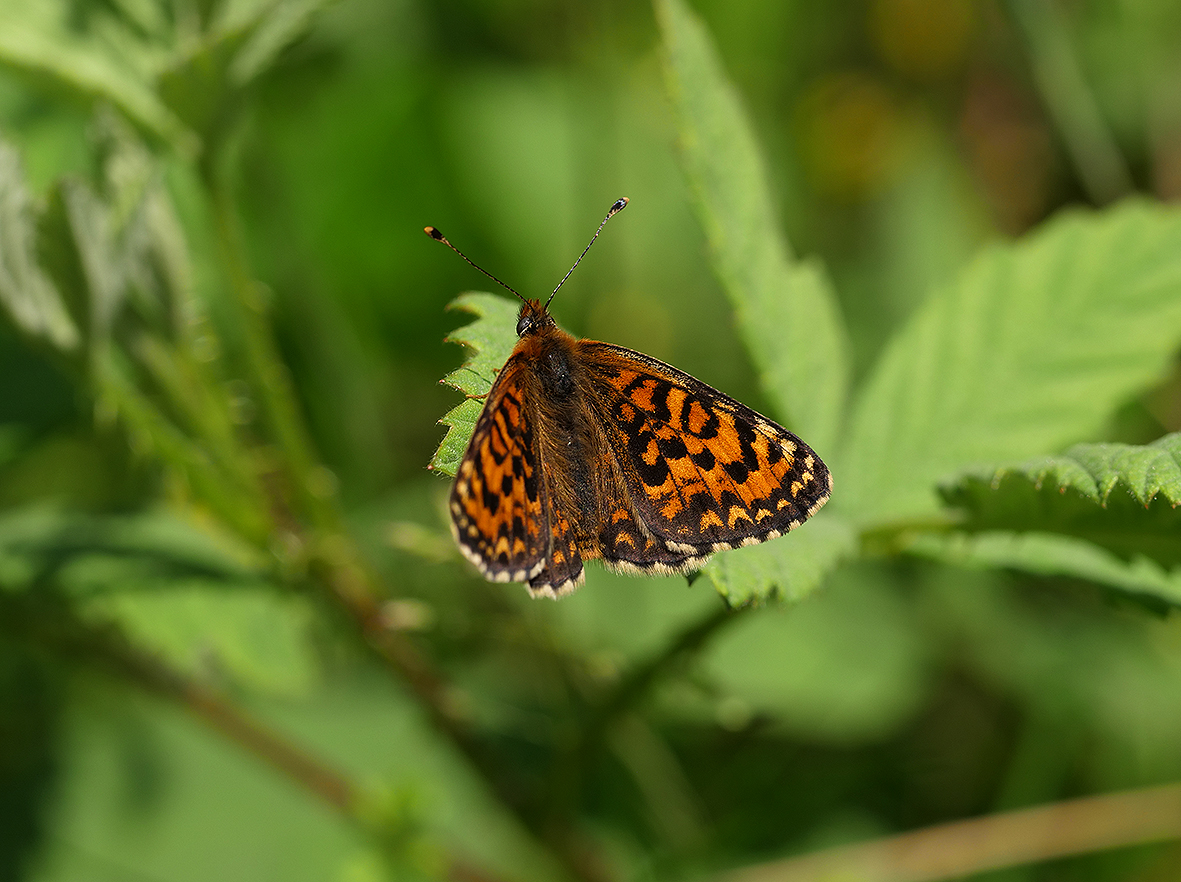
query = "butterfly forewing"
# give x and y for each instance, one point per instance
(703, 471)
(498, 509)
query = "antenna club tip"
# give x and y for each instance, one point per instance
(620, 205)
(434, 234)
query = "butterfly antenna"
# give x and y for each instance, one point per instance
(620, 205)
(434, 233)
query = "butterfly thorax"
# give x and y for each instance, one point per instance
(571, 443)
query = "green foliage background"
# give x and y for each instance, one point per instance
(935, 238)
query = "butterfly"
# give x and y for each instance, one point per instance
(585, 450)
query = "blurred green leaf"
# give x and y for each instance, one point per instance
(26, 293)
(489, 340)
(1048, 554)
(1107, 675)
(846, 665)
(204, 86)
(59, 62)
(1033, 348)
(231, 494)
(39, 543)
(280, 24)
(1120, 496)
(117, 241)
(790, 567)
(248, 632)
(30, 730)
(93, 237)
(192, 597)
(787, 312)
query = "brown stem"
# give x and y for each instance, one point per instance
(111, 651)
(329, 785)
(108, 650)
(964, 848)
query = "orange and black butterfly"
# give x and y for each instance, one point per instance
(587, 450)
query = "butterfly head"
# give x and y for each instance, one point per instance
(533, 319)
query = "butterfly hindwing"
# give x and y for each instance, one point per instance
(704, 472)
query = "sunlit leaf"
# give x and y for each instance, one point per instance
(1047, 554)
(489, 340)
(1031, 350)
(787, 312)
(788, 568)
(1120, 496)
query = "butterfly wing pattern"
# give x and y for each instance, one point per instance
(703, 472)
(587, 450)
(498, 513)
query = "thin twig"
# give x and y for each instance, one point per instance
(964, 848)
(637, 682)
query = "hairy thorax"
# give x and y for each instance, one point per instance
(572, 444)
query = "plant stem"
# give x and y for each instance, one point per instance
(269, 377)
(49, 623)
(574, 766)
(965, 848)
(253, 736)
(332, 557)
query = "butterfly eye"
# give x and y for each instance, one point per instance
(524, 325)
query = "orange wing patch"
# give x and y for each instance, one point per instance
(497, 507)
(704, 472)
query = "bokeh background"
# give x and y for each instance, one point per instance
(900, 136)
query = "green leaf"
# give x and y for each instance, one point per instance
(282, 24)
(27, 294)
(204, 85)
(1031, 350)
(60, 62)
(193, 597)
(40, 544)
(250, 633)
(103, 244)
(787, 313)
(490, 340)
(848, 666)
(1120, 496)
(789, 568)
(228, 490)
(1046, 554)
